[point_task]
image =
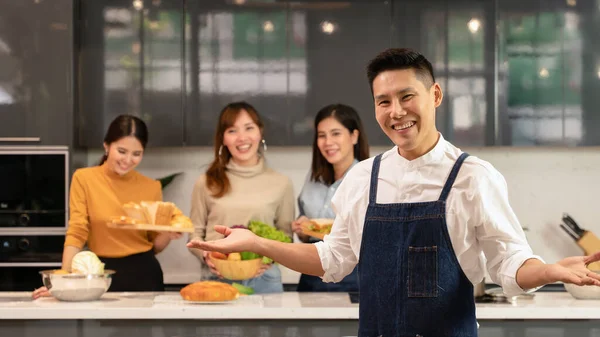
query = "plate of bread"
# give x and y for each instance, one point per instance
(152, 215)
(209, 292)
(317, 228)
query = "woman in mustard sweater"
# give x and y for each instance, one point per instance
(238, 187)
(98, 193)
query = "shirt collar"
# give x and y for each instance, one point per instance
(433, 156)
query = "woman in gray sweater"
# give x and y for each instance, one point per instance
(238, 187)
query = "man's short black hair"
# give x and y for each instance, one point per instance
(401, 58)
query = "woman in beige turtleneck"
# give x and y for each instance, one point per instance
(239, 187)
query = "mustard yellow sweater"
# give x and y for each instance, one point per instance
(97, 194)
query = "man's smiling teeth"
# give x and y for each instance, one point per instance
(403, 126)
(243, 147)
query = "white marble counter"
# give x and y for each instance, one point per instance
(288, 305)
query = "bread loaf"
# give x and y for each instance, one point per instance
(156, 213)
(181, 221)
(150, 208)
(163, 214)
(209, 291)
(136, 212)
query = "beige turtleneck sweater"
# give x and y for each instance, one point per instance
(98, 193)
(257, 193)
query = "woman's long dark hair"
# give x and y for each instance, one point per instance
(124, 126)
(322, 170)
(216, 179)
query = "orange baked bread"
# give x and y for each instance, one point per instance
(209, 291)
(136, 212)
(181, 221)
(156, 213)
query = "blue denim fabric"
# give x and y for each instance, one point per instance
(411, 283)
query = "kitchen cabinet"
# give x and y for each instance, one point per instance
(131, 63)
(255, 54)
(549, 72)
(36, 72)
(513, 74)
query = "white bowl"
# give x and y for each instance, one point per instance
(76, 287)
(583, 292)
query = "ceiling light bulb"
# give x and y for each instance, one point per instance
(268, 26)
(327, 27)
(474, 25)
(138, 4)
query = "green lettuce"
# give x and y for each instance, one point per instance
(268, 232)
(249, 256)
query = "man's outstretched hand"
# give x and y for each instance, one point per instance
(236, 240)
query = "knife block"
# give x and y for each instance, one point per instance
(590, 245)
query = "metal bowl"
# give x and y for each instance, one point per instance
(76, 287)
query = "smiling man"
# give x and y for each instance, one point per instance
(423, 221)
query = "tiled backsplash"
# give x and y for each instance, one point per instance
(543, 183)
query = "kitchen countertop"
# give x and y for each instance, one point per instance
(287, 305)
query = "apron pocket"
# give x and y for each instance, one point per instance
(422, 271)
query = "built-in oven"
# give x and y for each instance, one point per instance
(33, 188)
(33, 213)
(23, 256)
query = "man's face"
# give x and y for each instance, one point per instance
(405, 110)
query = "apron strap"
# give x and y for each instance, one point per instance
(452, 177)
(374, 176)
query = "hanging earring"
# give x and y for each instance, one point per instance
(220, 150)
(264, 145)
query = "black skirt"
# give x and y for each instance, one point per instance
(137, 272)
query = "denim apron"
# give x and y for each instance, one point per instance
(411, 283)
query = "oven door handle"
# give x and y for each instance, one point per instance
(20, 139)
(30, 264)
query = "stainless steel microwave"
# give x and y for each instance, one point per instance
(33, 187)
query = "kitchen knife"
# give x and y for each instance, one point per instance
(573, 225)
(570, 232)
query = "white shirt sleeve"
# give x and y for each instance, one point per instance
(340, 249)
(498, 230)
